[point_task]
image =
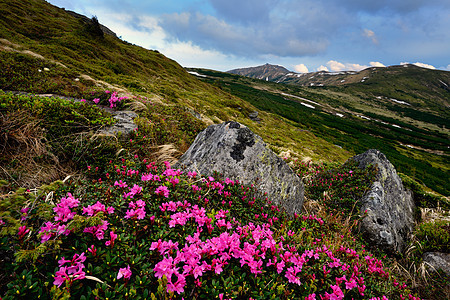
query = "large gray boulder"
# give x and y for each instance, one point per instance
(390, 208)
(236, 152)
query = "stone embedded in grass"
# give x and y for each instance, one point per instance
(236, 152)
(437, 261)
(389, 206)
(124, 123)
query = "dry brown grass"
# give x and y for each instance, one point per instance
(167, 153)
(25, 159)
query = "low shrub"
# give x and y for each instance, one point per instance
(148, 231)
(434, 236)
(338, 187)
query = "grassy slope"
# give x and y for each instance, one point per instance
(428, 162)
(59, 37)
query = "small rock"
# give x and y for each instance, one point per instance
(254, 116)
(194, 113)
(124, 123)
(437, 260)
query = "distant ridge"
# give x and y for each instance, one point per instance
(266, 72)
(399, 73)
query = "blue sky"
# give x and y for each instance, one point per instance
(302, 35)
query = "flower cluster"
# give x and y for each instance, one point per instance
(137, 210)
(201, 236)
(125, 273)
(70, 270)
(63, 208)
(92, 210)
(113, 100)
(97, 231)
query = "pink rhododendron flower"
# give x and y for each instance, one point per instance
(72, 272)
(137, 211)
(120, 184)
(22, 232)
(113, 237)
(192, 174)
(136, 189)
(125, 273)
(92, 210)
(62, 209)
(92, 250)
(147, 177)
(351, 284)
(311, 297)
(24, 212)
(50, 230)
(163, 191)
(97, 231)
(178, 286)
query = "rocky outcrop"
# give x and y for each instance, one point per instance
(235, 151)
(254, 117)
(437, 261)
(124, 120)
(390, 208)
(124, 124)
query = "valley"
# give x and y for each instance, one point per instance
(413, 135)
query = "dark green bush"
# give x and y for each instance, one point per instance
(421, 197)
(94, 28)
(434, 236)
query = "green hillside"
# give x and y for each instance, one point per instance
(86, 214)
(355, 121)
(36, 34)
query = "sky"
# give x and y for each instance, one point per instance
(301, 35)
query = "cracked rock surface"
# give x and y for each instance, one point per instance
(390, 207)
(234, 151)
(124, 124)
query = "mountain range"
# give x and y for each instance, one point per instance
(439, 80)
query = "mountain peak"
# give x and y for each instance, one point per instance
(266, 72)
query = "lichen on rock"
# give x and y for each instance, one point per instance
(234, 151)
(388, 206)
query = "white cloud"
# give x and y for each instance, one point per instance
(422, 65)
(356, 67)
(146, 31)
(370, 35)
(419, 64)
(322, 68)
(301, 68)
(377, 64)
(448, 68)
(336, 66)
(191, 55)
